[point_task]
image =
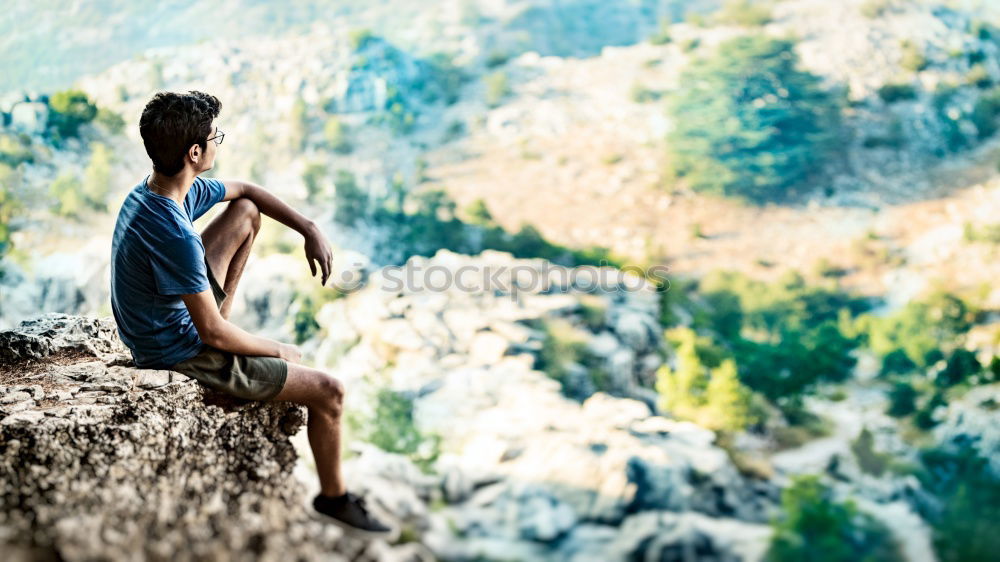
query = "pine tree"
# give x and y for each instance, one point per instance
(748, 123)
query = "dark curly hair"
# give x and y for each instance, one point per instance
(172, 122)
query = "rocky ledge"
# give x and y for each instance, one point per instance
(101, 460)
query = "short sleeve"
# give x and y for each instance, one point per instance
(179, 266)
(204, 193)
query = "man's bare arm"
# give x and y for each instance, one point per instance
(269, 204)
(222, 334)
(317, 248)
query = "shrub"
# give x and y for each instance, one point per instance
(893, 139)
(479, 213)
(97, 178)
(745, 13)
(870, 460)
(642, 94)
(564, 350)
(455, 130)
(305, 307)
(944, 94)
(112, 121)
(391, 428)
(912, 59)
(15, 149)
(612, 158)
(965, 527)
(926, 417)
(446, 79)
(68, 110)
(978, 76)
(313, 177)
(921, 329)
(690, 44)
(298, 124)
(705, 387)
(497, 88)
(785, 336)
(496, 58)
(397, 113)
(662, 37)
(986, 113)
(872, 9)
(351, 202)
(814, 526)
(360, 38)
(748, 123)
(902, 400)
(67, 194)
(987, 233)
(336, 136)
(891, 93)
(961, 365)
(896, 362)
(10, 206)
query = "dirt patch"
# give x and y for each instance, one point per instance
(29, 371)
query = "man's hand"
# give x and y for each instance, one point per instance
(318, 249)
(290, 353)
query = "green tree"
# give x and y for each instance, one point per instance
(744, 12)
(67, 194)
(912, 58)
(15, 149)
(704, 388)
(313, 177)
(748, 123)
(921, 330)
(336, 135)
(727, 401)
(68, 110)
(961, 364)
(479, 213)
(360, 38)
(112, 121)
(785, 336)
(10, 206)
(965, 527)
(391, 428)
(350, 200)
(814, 526)
(299, 124)
(97, 177)
(902, 400)
(497, 87)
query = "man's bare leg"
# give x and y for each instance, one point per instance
(323, 396)
(228, 240)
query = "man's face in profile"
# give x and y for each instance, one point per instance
(208, 162)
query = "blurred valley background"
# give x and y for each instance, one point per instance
(820, 377)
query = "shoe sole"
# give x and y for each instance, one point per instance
(390, 535)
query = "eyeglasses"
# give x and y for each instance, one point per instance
(218, 135)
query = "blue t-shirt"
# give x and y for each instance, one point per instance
(156, 255)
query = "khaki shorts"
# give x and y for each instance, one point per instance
(247, 377)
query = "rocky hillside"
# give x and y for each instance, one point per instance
(503, 418)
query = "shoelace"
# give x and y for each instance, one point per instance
(360, 501)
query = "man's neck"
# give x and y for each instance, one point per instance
(175, 187)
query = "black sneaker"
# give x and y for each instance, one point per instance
(350, 513)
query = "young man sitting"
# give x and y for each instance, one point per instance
(171, 287)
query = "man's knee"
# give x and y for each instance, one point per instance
(248, 210)
(330, 393)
